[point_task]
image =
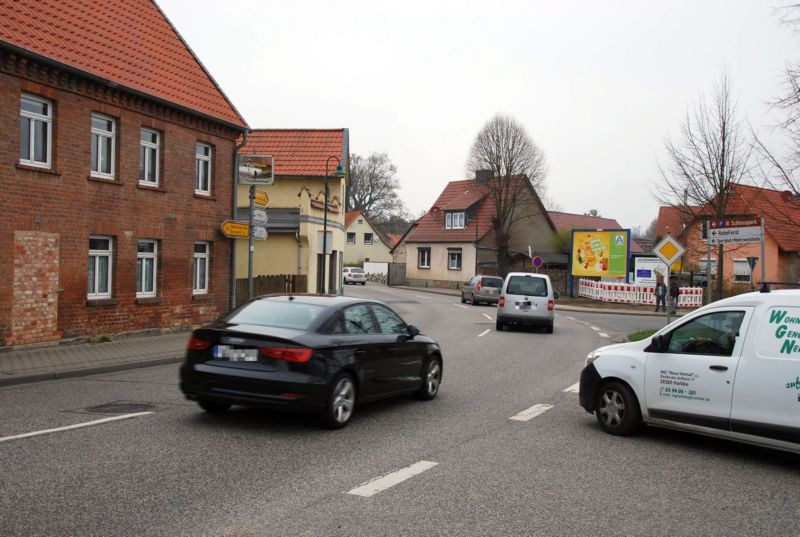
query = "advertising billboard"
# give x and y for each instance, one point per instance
(601, 253)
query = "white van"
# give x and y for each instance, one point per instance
(730, 369)
(526, 299)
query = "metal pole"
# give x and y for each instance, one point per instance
(325, 235)
(251, 245)
(708, 262)
(763, 257)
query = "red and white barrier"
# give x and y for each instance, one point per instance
(623, 293)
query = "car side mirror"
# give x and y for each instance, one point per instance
(413, 331)
(657, 344)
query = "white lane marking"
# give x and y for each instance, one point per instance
(76, 426)
(483, 333)
(370, 488)
(594, 328)
(531, 412)
(461, 306)
(488, 316)
(421, 296)
(575, 388)
(570, 318)
(602, 334)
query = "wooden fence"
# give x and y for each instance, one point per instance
(265, 285)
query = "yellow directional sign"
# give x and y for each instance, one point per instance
(261, 198)
(234, 229)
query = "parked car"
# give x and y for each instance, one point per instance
(482, 288)
(327, 354)
(526, 299)
(354, 275)
(730, 369)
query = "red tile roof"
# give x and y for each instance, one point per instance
(394, 238)
(670, 222)
(128, 42)
(582, 221)
(300, 151)
(349, 216)
(430, 228)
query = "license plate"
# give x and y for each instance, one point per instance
(524, 306)
(226, 352)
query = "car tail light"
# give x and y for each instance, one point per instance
(501, 303)
(197, 344)
(478, 286)
(551, 305)
(290, 355)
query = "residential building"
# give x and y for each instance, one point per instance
(781, 212)
(364, 242)
(116, 168)
(570, 221)
(454, 240)
(296, 208)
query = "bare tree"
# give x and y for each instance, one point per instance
(506, 154)
(712, 155)
(373, 186)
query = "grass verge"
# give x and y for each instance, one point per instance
(644, 334)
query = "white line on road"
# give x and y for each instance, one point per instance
(76, 426)
(594, 328)
(575, 388)
(488, 316)
(603, 334)
(570, 318)
(532, 412)
(370, 488)
(425, 297)
(460, 306)
(483, 333)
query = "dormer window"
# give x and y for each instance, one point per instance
(454, 220)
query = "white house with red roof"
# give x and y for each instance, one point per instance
(304, 161)
(454, 240)
(364, 242)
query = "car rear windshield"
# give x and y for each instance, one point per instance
(357, 271)
(280, 314)
(492, 282)
(527, 285)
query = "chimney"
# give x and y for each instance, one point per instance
(483, 176)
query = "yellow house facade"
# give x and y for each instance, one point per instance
(363, 241)
(296, 207)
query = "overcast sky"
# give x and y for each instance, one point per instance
(598, 85)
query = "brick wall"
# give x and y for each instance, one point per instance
(67, 202)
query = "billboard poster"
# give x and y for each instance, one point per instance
(601, 253)
(647, 270)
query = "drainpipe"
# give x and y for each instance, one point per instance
(234, 207)
(299, 258)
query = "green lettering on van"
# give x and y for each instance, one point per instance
(776, 316)
(781, 331)
(789, 346)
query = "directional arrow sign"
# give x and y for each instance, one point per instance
(261, 199)
(260, 233)
(233, 229)
(260, 216)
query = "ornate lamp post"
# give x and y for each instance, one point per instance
(323, 288)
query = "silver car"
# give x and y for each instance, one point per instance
(482, 288)
(526, 299)
(354, 275)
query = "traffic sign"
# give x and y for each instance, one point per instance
(234, 229)
(260, 216)
(752, 262)
(537, 261)
(669, 250)
(260, 233)
(735, 230)
(261, 199)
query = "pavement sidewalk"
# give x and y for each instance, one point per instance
(79, 359)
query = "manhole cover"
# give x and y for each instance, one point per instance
(120, 407)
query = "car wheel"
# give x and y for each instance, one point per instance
(475, 301)
(431, 379)
(363, 283)
(341, 402)
(499, 325)
(617, 409)
(213, 407)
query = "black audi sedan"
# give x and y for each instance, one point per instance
(326, 354)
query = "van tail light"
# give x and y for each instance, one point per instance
(197, 344)
(289, 355)
(478, 286)
(551, 305)
(501, 303)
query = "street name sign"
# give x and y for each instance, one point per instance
(668, 250)
(260, 216)
(735, 230)
(234, 229)
(260, 233)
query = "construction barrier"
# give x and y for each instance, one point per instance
(624, 293)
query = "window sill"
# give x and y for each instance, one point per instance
(105, 180)
(451, 268)
(205, 197)
(424, 268)
(95, 302)
(148, 300)
(151, 188)
(29, 168)
(202, 298)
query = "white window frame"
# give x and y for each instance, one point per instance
(198, 259)
(201, 159)
(149, 146)
(94, 258)
(33, 118)
(371, 238)
(421, 257)
(448, 220)
(100, 134)
(748, 278)
(141, 260)
(351, 237)
(454, 220)
(454, 259)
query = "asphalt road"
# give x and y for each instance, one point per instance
(550, 471)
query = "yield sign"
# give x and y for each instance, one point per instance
(669, 250)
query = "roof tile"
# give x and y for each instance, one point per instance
(299, 152)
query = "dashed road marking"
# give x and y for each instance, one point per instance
(462, 306)
(484, 333)
(575, 388)
(70, 427)
(594, 328)
(531, 412)
(371, 488)
(488, 316)
(602, 334)
(570, 318)
(421, 296)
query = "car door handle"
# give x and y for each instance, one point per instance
(718, 367)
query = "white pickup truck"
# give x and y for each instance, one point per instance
(730, 369)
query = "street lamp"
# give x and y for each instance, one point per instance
(338, 173)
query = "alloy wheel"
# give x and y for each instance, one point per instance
(612, 408)
(344, 399)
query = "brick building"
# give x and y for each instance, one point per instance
(116, 169)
